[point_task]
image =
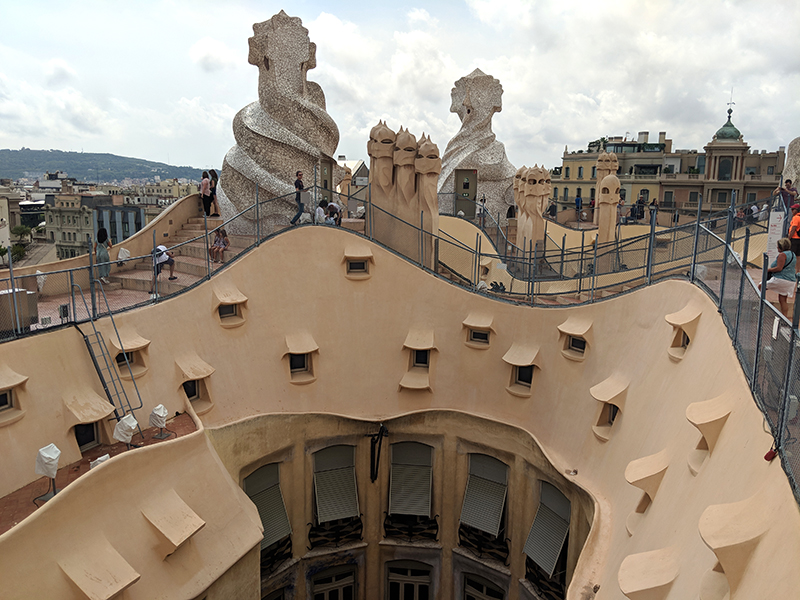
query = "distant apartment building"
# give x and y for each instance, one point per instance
(169, 188)
(10, 199)
(676, 178)
(74, 218)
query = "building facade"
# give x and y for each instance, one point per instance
(676, 178)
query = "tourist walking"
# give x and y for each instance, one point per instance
(101, 248)
(298, 186)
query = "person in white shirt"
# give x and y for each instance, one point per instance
(162, 257)
(319, 214)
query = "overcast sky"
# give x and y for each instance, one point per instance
(162, 80)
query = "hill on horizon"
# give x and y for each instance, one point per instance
(87, 166)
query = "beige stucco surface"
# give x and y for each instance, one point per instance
(357, 369)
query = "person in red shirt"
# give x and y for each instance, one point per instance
(794, 229)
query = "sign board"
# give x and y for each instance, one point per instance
(361, 181)
(775, 231)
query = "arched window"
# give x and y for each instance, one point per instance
(580, 172)
(725, 169)
(408, 580)
(335, 584)
(478, 588)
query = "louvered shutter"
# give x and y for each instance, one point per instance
(549, 529)
(485, 495)
(411, 479)
(335, 483)
(263, 488)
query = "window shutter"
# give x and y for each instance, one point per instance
(485, 495)
(335, 483)
(263, 488)
(410, 481)
(549, 529)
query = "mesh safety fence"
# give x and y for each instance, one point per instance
(709, 262)
(790, 432)
(8, 311)
(773, 363)
(672, 254)
(729, 303)
(747, 326)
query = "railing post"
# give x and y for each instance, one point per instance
(728, 234)
(91, 283)
(153, 266)
(72, 295)
(544, 240)
(563, 249)
(788, 377)
(370, 214)
(594, 271)
(478, 262)
(18, 329)
(765, 263)
(208, 254)
(258, 221)
(533, 271)
(421, 243)
(651, 247)
(696, 238)
(580, 272)
(741, 284)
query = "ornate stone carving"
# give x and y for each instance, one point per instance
(607, 164)
(607, 208)
(534, 198)
(519, 200)
(403, 176)
(287, 130)
(475, 98)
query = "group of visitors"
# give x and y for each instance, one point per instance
(326, 213)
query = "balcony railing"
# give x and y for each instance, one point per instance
(483, 544)
(411, 527)
(335, 533)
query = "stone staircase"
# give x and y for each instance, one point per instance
(191, 262)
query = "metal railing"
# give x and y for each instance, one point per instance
(702, 252)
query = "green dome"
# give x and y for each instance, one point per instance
(728, 131)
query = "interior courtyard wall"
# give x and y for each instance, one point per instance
(292, 439)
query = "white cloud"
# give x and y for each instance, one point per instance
(571, 71)
(212, 55)
(59, 72)
(422, 17)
